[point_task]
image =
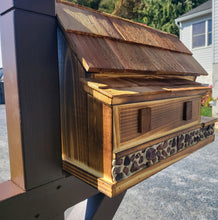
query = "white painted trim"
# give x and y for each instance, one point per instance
(200, 48)
(206, 33)
(213, 32)
(188, 17)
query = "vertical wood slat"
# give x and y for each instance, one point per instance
(144, 120)
(107, 141)
(95, 134)
(187, 111)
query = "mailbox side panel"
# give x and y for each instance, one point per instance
(86, 123)
(73, 102)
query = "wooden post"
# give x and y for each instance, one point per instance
(38, 188)
(32, 96)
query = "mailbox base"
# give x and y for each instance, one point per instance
(186, 142)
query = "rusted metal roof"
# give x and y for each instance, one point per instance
(108, 43)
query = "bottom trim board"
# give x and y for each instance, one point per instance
(112, 189)
(127, 165)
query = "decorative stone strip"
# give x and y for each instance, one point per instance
(128, 165)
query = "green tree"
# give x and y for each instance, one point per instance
(156, 13)
(88, 3)
(160, 14)
(101, 5)
(128, 9)
(107, 6)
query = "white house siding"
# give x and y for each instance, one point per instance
(203, 55)
(215, 55)
(215, 28)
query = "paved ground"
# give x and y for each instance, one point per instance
(186, 190)
(4, 157)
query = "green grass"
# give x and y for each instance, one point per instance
(206, 111)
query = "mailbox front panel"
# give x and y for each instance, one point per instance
(140, 122)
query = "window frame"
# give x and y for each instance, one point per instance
(206, 33)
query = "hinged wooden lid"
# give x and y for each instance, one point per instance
(105, 43)
(125, 90)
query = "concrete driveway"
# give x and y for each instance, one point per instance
(186, 190)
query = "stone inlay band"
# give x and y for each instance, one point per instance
(130, 164)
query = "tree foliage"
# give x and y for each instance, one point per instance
(160, 14)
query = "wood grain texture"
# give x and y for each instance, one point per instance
(83, 20)
(95, 52)
(86, 122)
(113, 90)
(132, 57)
(102, 75)
(95, 134)
(76, 18)
(144, 120)
(112, 189)
(99, 145)
(128, 165)
(99, 38)
(187, 111)
(121, 91)
(73, 101)
(100, 54)
(123, 185)
(166, 115)
(107, 141)
(204, 122)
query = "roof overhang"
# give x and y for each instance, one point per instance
(195, 15)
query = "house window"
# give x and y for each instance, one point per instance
(202, 34)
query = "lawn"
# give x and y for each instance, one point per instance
(206, 111)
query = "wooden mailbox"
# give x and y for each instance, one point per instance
(130, 105)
